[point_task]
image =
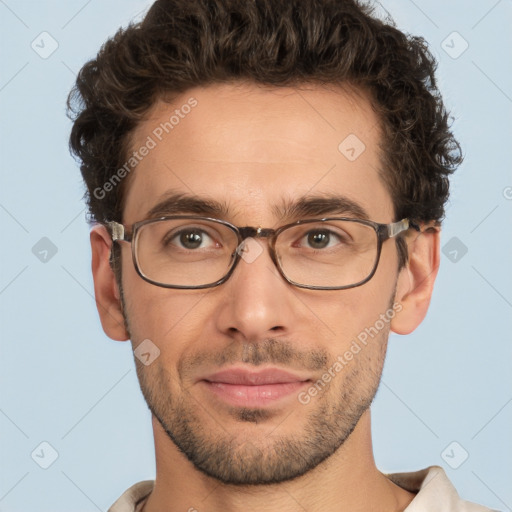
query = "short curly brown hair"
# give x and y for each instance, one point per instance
(182, 44)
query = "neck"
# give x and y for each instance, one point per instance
(346, 481)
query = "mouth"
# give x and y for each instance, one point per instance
(245, 388)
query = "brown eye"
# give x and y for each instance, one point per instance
(191, 239)
(318, 239)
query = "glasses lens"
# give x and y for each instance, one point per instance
(185, 252)
(328, 254)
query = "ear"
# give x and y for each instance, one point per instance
(416, 280)
(108, 298)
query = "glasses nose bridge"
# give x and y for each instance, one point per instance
(259, 232)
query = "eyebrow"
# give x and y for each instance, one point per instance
(289, 210)
(321, 205)
(181, 203)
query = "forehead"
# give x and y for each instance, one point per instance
(253, 148)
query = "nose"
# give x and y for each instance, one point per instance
(257, 301)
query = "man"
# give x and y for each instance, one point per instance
(267, 179)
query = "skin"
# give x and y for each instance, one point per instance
(251, 147)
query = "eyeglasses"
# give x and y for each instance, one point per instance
(191, 252)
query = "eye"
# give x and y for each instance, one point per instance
(190, 238)
(320, 239)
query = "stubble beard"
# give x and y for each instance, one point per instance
(331, 417)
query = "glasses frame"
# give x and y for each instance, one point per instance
(121, 233)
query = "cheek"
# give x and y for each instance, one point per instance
(354, 311)
(154, 312)
(172, 319)
(348, 313)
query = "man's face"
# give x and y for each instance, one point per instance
(253, 149)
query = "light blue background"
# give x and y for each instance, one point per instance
(63, 381)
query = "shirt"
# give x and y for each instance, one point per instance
(434, 491)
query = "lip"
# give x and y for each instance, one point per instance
(242, 387)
